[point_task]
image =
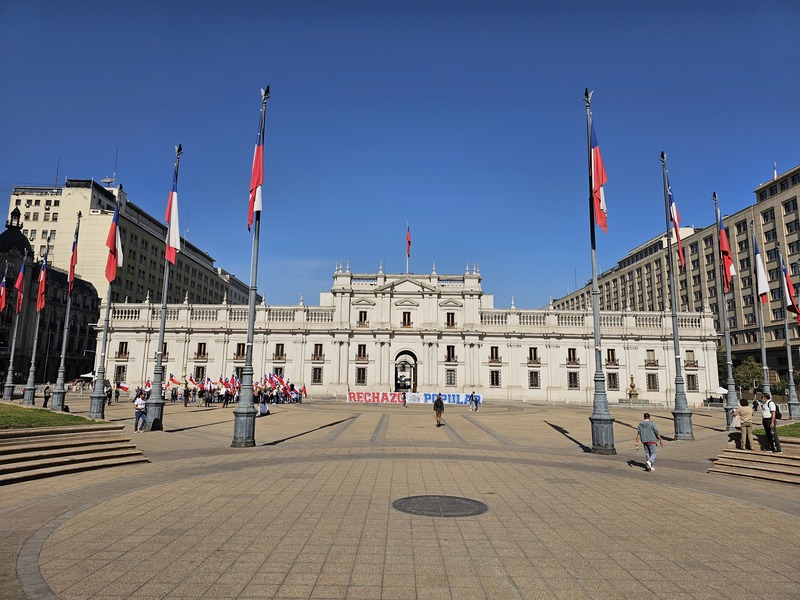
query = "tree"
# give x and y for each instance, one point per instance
(722, 365)
(747, 372)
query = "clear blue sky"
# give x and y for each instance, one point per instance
(465, 119)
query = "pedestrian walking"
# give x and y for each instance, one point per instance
(651, 438)
(472, 404)
(438, 409)
(768, 416)
(745, 414)
(404, 399)
(116, 394)
(47, 393)
(140, 412)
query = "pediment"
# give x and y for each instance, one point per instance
(363, 302)
(451, 304)
(406, 285)
(406, 302)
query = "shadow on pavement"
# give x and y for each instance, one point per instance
(291, 437)
(565, 433)
(177, 429)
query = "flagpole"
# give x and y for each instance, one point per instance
(601, 419)
(244, 415)
(58, 390)
(682, 415)
(8, 390)
(29, 395)
(155, 403)
(792, 389)
(730, 398)
(756, 300)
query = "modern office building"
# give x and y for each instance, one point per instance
(639, 281)
(380, 332)
(51, 211)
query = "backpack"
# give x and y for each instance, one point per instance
(778, 414)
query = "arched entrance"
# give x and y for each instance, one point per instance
(405, 372)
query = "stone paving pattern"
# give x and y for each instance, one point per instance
(307, 512)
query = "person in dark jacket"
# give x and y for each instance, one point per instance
(438, 409)
(648, 433)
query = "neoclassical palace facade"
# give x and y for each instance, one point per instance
(394, 332)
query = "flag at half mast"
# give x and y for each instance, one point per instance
(173, 241)
(73, 261)
(788, 292)
(42, 283)
(257, 175)
(676, 221)
(20, 286)
(114, 244)
(762, 286)
(728, 270)
(599, 179)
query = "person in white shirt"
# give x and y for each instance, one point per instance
(768, 421)
(140, 408)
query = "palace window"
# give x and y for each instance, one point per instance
(450, 354)
(406, 319)
(199, 374)
(279, 353)
(239, 351)
(533, 379)
(450, 319)
(652, 382)
(317, 352)
(573, 380)
(494, 354)
(361, 375)
(316, 375)
(691, 383)
(494, 378)
(450, 377)
(362, 318)
(611, 357)
(361, 352)
(613, 381)
(533, 355)
(572, 356)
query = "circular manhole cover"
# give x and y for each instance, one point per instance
(440, 506)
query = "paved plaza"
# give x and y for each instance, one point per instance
(307, 513)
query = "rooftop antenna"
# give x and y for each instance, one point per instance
(58, 164)
(108, 181)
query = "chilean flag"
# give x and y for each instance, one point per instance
(42, 283)
(676, 221)
(257, 175)
(408, 241)
(761, 275)
(728, 270)
(173, 241)
(123, 386)
(3, 297)
(191, 380)
(173, 379)
(114, 244)
(72, 262)
(20, 286)
(788, 292)
(599, 179)
(148, 384)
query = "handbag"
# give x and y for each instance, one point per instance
(736, 422)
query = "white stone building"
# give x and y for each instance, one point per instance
(391, 332)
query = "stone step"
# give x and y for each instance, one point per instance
(10, 437)
(772, 466)
(23, 445)
(67, 460)
(756, 474)
(23, 454)
(19, 476)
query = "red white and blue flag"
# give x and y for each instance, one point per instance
(788, 292)
(73, 261)
(676, 221)
(3, 296)
(257, 175)
(148, 384)
(191, 380)
(20, 286)
(123, 386)
(762, 286)
(728, 270)
(599, 179)
(173, 241)
(173, 379)
(408, 241)
(114, 244)
(42, 284)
